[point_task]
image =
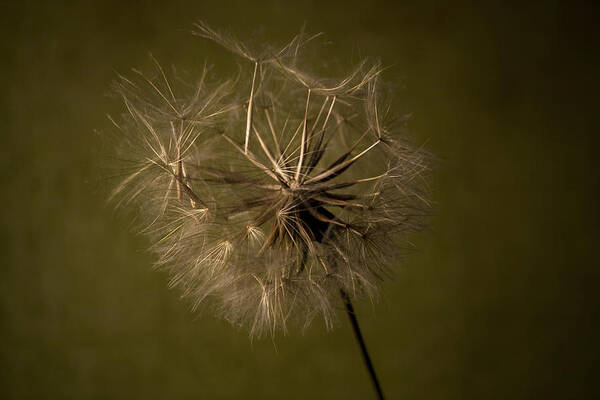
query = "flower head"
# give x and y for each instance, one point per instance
(267, 194)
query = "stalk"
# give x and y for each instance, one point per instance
(361, 343)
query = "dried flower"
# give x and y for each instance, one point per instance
(267, 194)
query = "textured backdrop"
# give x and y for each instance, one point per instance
(497, 303)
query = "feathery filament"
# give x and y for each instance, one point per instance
(267, 194)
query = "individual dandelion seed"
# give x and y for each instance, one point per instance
(274, 193)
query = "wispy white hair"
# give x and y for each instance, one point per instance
(267, 194)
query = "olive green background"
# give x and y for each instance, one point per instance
(497, 303)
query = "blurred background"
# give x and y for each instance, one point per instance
(498, 302)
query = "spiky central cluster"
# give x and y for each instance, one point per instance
(299, 215)
(297, 208)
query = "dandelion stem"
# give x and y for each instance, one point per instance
(361, 342)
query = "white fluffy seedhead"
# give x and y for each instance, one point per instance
(267, 195)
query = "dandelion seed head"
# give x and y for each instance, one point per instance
(265, 195)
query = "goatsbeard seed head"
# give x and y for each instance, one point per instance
(266, 194)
